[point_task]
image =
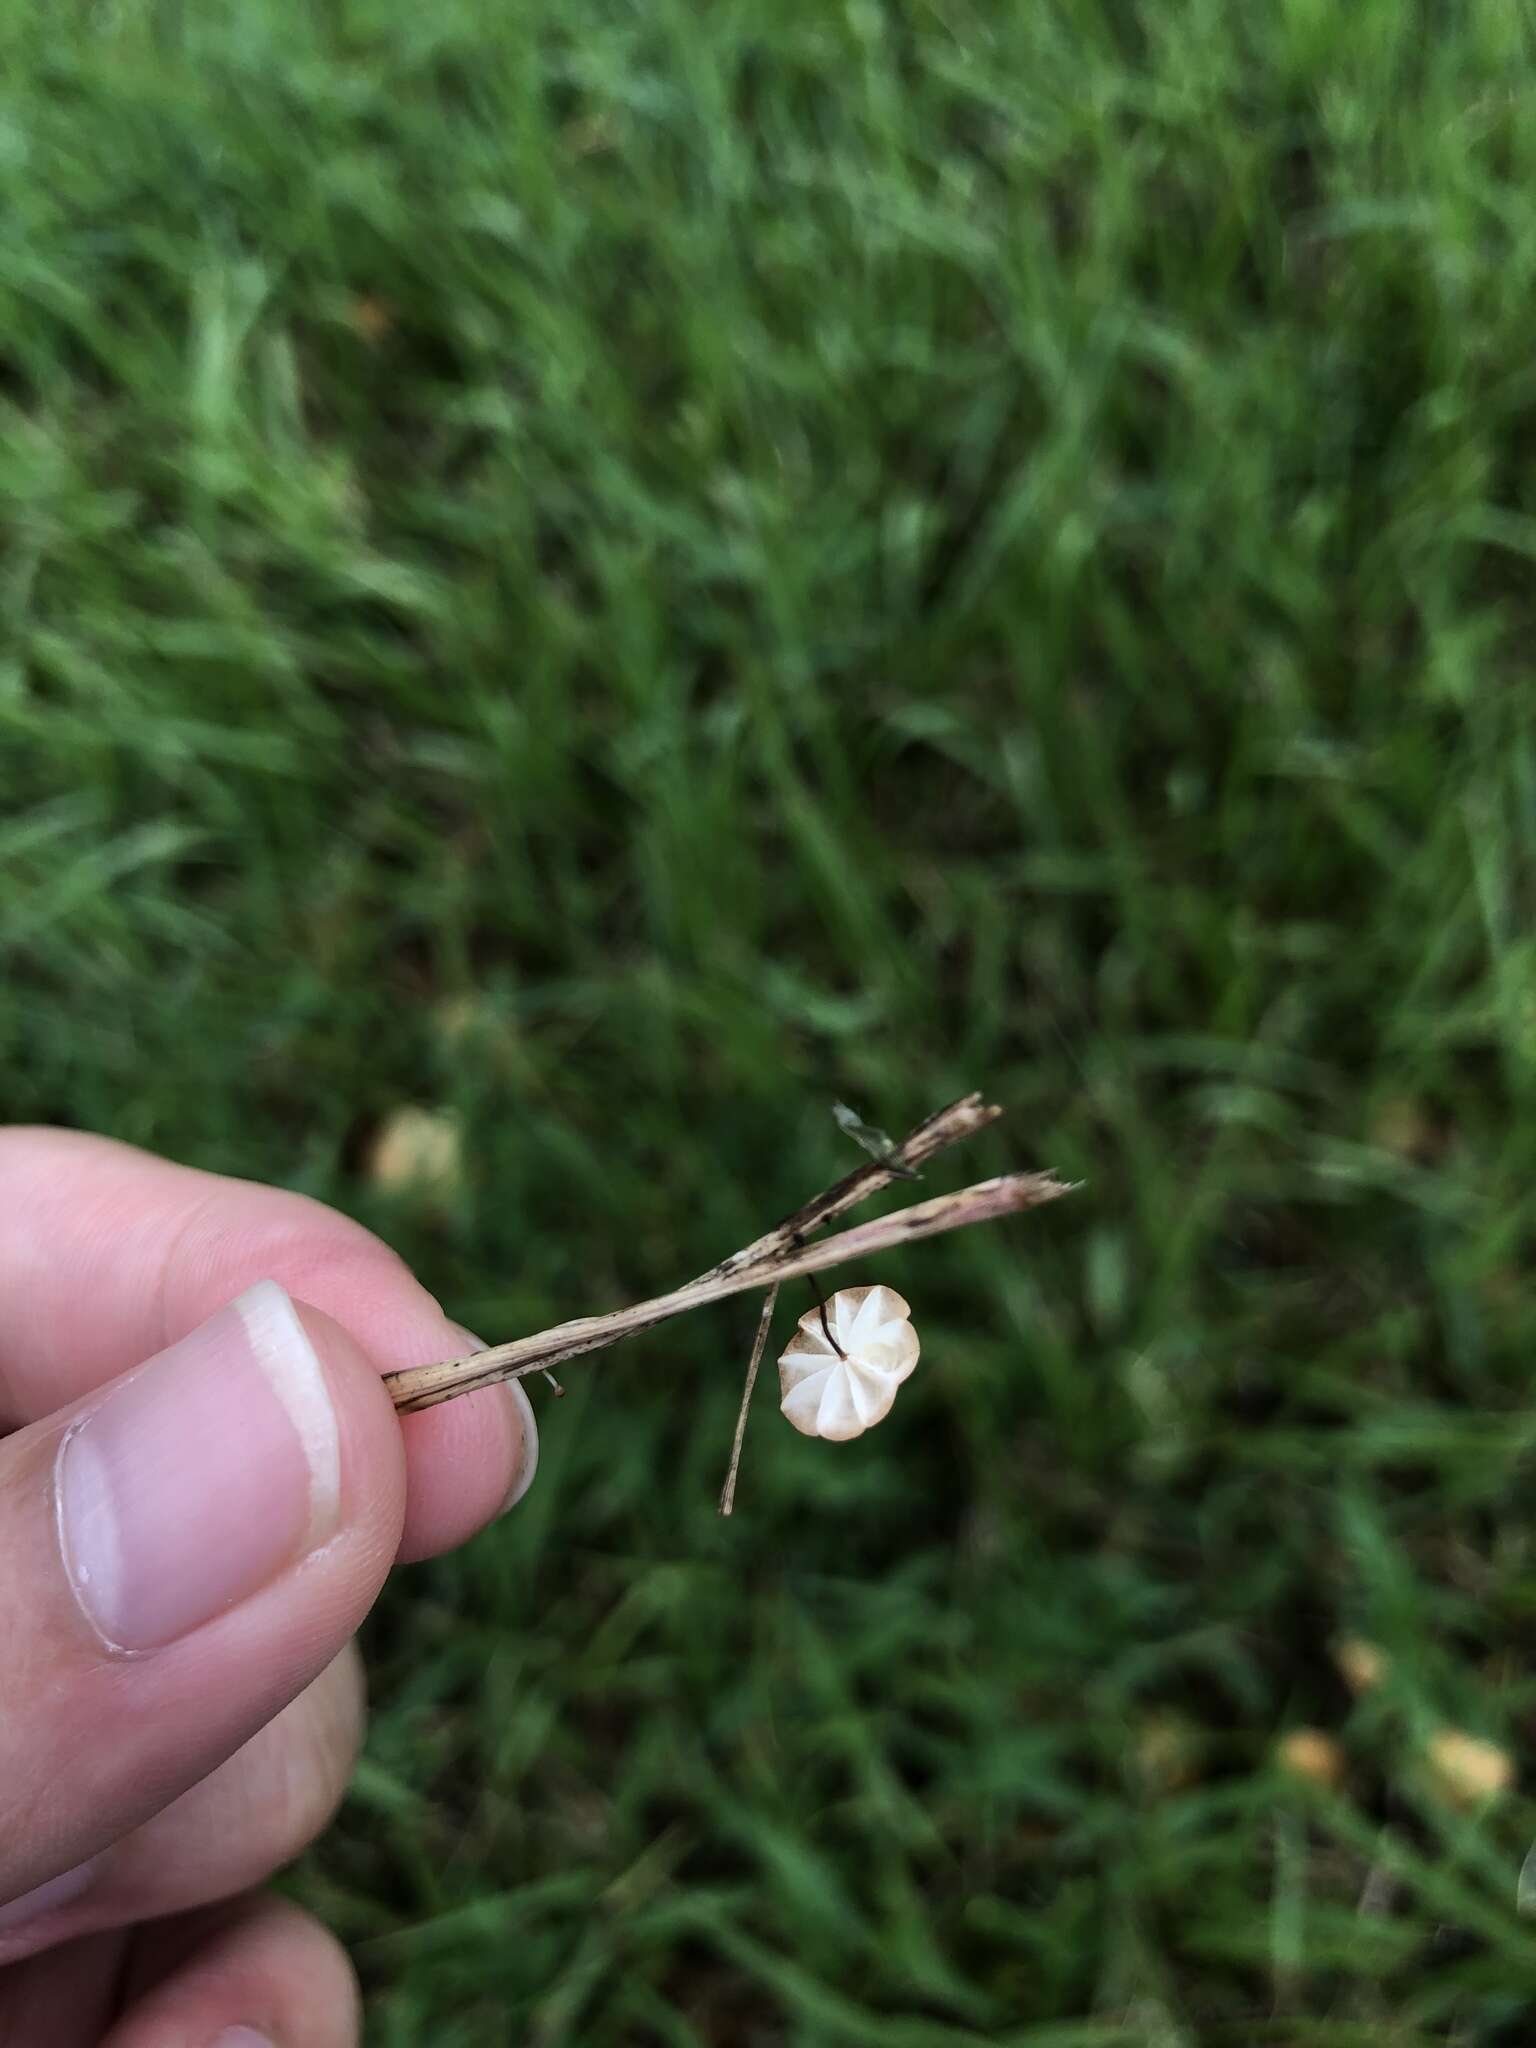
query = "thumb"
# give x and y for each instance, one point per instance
(180, 1554)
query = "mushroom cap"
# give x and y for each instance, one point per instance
(838, 1398)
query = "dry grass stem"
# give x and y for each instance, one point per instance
(946, 1126)
(779, 1256)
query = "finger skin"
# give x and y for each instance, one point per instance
(244, 1821)
(65, 1999)
(167, 1776)
(93, 1742)
(261, 1964)
(107, 1254)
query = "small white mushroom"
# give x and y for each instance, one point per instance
(824, 1394)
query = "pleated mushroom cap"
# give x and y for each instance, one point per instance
(838, 1398)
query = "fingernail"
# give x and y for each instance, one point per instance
(527, 1450)
(45, 1898)
(243, 2037)
(200, 1476)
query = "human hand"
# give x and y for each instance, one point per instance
(185, 1554)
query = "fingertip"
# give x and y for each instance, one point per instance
(123, 1252)
(470, 1460)
(258, 1970)
(526, 1465)
(446, 1471)
(191, 1548)
(372, 1457)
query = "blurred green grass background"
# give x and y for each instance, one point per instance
(626, 571)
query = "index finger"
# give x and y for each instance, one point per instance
(108, 1254)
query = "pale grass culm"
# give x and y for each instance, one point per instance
(781, 1254)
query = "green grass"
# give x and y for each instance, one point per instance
(773, 553)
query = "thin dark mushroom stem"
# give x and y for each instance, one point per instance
(821, 1303)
